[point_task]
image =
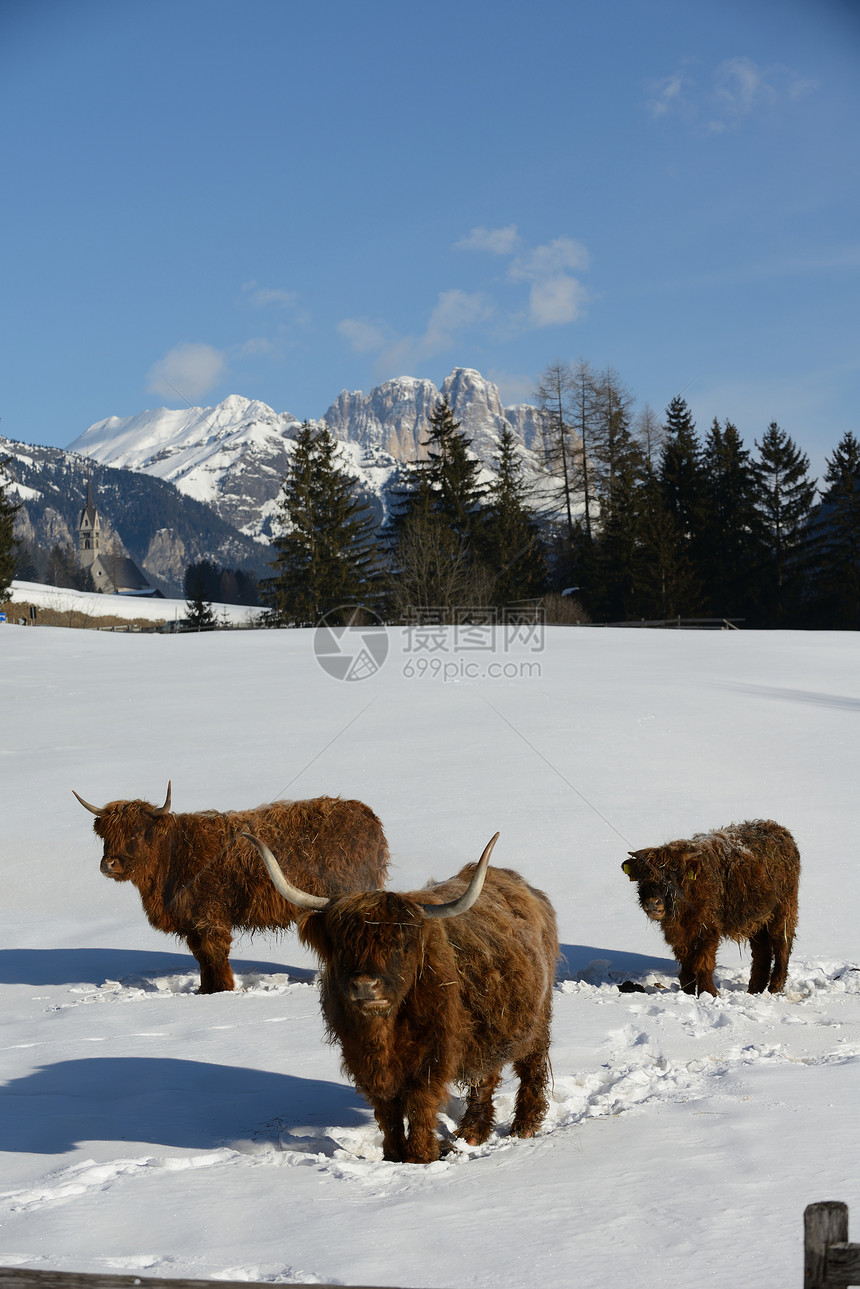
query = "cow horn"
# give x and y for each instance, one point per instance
(292, 893)
(96, 810)
(467, 899)
(165, 809)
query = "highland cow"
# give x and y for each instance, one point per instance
(736, 883)
(430, 988)
(198, 878)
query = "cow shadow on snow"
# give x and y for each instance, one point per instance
(166, 1102)
(44, 967)
(616, 964)
(95, 966)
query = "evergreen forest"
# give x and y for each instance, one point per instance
(650, 521)
(629, 518)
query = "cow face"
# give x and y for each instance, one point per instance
(371, 945)
(661, 873)
(127, 829)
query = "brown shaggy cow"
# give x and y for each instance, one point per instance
(417, 1001)
(737, 883)
(199, 878)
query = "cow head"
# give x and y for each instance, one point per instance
(372, 943)
(127, 829)
(663, 874)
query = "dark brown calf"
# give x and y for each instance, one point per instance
(436, 987)
(199, 878)
(736, 883)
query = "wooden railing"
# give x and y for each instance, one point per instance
(679, 623)
(23, 1278)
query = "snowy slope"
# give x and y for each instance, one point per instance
(146, 1129)
(95, 605)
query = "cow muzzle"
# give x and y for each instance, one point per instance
(112, 867)
(368, 994)
(655, 908)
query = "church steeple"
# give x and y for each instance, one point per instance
(89, 529)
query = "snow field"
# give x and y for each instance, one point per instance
(148, 1129)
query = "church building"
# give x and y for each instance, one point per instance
(112, 574)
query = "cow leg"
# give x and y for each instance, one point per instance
(686, 978)
(762, 957)
(389, 1116)
(533, 1073)
(422, 1141)
(781, 932)
(532, 1104)
(211, 948)
(477, 1121)
(697, 965)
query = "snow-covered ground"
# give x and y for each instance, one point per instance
(96, 605)
(150, 1130)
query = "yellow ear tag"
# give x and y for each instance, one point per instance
(625, 867)
(690, 876)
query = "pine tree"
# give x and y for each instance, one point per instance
(325, 556)
(730, 531)
(784, 497)
(436, 525)
(681, 470)
(510, 539)
(683, 485)
(447, 481)
(8, 542)
(666, 585)
(199, 581)
(611, 591)
(836, 538)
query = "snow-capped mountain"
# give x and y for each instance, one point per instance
(161, 528)
(233, 456)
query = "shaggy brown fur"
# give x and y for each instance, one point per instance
(737, 883)
(417, 1003)
(198, 878)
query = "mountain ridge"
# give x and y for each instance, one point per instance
(233, 456)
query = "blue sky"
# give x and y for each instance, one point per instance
(283, 200)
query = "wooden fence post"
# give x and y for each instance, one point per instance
(823, 1224)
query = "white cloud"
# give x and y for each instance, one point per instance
(666, 94)
(455, 310)
(556, 297)
(255, 345)
(261, 296)
(496, 241)
(737, 89)
(362, 335)
(188, 371)
(546, 261)
(556, 300)
(740, 87)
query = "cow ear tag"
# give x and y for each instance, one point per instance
(626, 867)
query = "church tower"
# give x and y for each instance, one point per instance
(89, 530)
